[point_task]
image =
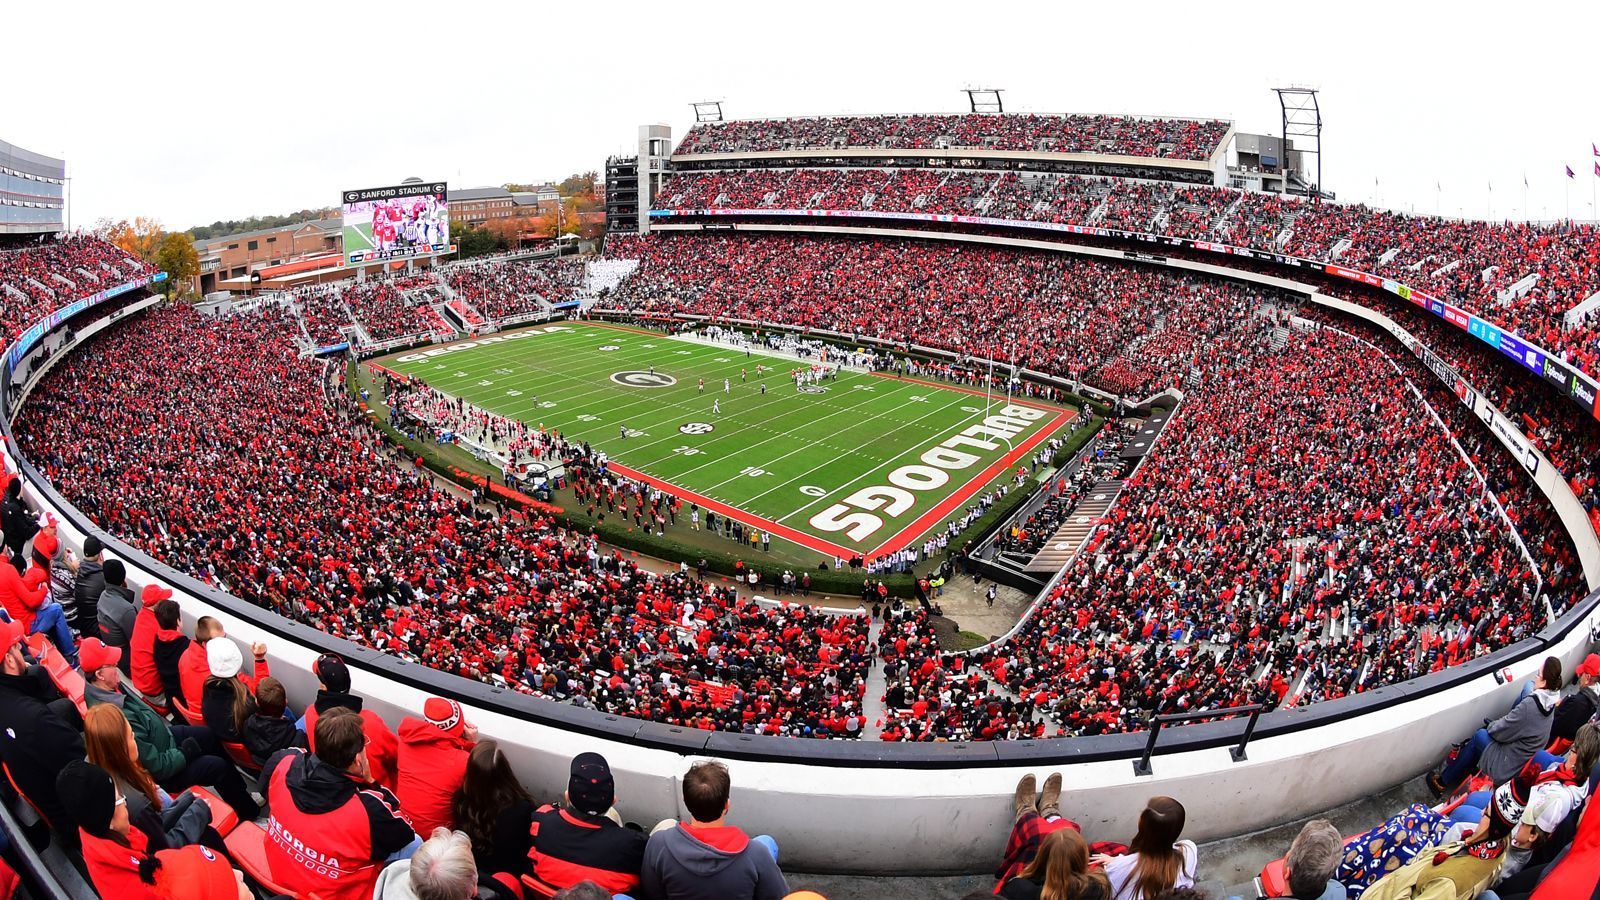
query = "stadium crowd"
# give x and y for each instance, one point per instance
(1232, 571)
(1523, 277)
(385, 308)
(531, 605)
(397, 307)
(222, 454)
(38, 279)
(1183, 604)
(1117, 135)
(427, 807)
(1073, 317)
(503, 289)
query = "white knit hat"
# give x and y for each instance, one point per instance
(224, 658)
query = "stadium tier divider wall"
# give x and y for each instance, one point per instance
(869, 807)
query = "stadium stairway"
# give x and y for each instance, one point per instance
(1064, 544)
(872, 708)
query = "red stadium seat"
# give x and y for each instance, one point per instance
(68, 681)
(241, 756)
(223, 818)
(247, 845)
(42, 817)
(191, 716)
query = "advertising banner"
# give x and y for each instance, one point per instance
(27, 339)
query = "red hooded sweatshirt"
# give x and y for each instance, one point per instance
(113, 868)
(143, 650)
(432, 764)
(21, 600)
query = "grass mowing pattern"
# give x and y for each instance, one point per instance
(778, 460)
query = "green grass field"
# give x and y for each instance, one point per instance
(867, 464)
(358, 237)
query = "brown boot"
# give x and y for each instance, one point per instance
(1026, 796)
(1050, 800)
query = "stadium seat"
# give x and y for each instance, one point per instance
(68, 681)
(241, 757)
(191, 716)
(223, 818)
(247, 845)
(34, 806)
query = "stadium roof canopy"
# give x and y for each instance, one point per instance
(479, 193)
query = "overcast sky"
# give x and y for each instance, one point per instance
(192, 112)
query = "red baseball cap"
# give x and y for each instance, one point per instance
(11, 634)
(155, 593)
(1590, 665)
(94, 655)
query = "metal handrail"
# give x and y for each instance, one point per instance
(1141, 766)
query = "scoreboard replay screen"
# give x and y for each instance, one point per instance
(393, 223)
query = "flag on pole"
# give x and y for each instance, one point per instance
(1524, 179)
(1570, 173)
(1597, 170)
(1595, 147)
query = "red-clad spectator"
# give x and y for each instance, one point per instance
(194, 667)
(331, 829)
(433, 762)
(146, 676)
(26, 598)
(382, 747)
(112, 847)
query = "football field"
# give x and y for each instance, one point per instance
(862, 463)
(359, 237)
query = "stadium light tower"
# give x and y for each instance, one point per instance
(985, 100)
(707, 111)
(1302, 117)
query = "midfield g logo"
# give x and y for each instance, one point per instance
(644, 379)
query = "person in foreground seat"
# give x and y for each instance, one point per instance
(331, 829)
(494, 809)
(1037, 816)
(433, 762)
(39, 731)
(176, 756)
(706, 858)
(441, 869)
(1504, 746)
(383, 748)
(1059, 871)
(1311, 860)
(581, 842)
(1157, 859)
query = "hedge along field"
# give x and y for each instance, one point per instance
(854, 464)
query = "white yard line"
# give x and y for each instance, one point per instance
(932, 412)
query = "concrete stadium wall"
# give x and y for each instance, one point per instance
(838, 806)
